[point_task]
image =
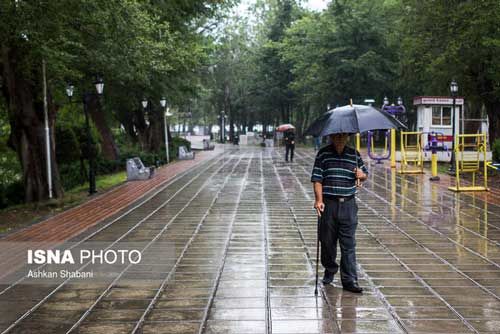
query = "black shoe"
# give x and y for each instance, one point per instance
(328, 278)
(353, 287)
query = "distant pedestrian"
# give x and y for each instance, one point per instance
(337, 171)
(289, 137)
(317, 143)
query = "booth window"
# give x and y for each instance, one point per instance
(441, 116)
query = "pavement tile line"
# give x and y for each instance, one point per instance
(436, 255)
(264, 219)
(144, 198)
(45, 230)
(428, 250)
(462, 213)
(36, 306)
(215, 255)
(140, 323)
(422, 280)
(449, 195)
(432, 228)
(306, 250)
(72, 212)
(415, 275)
(378, 293)
(165, 228)
(149, 196)
(226, 247)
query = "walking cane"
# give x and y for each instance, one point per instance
(317, 257)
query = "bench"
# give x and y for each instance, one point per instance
(137, 171)
(207, 145)
(184, 154)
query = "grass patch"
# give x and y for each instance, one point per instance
(103, 182)
(443, 168)
(23, 215)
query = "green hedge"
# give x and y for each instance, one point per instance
(496, 150)
(71, 146)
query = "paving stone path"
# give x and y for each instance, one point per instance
(229, 247)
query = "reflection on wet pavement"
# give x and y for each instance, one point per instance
(244, 260)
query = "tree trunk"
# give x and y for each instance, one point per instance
(493, 110)
(27, 135)
(109, 147)
(156, 131)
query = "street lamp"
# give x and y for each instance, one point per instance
(145, 103)
(99, 86)
(453, 91)
(163, 103)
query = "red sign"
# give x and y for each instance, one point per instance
(441, 138)
(437, 100)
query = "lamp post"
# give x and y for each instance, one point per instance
(163, 103)
(453, 91)
(99, 86)
(145, 104)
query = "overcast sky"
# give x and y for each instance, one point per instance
(317, 4)
(311, 4)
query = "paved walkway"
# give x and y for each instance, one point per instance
(229, 247)
(73, 222)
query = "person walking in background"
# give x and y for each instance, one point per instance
(317, 143)
(338, 169)
(289, 138)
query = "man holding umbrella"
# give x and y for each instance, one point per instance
(289, 139)
(338, 171)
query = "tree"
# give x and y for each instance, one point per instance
(442, 41)
(139, 48)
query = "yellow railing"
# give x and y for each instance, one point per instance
(411, 153)
(468, 151)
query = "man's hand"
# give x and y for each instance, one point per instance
(320, 207)
(360, 176)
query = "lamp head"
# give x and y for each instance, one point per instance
(70, 89)
(453, 87)
(99, 85)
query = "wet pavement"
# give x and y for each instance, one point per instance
(230, 247)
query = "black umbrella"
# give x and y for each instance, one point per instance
(353, 119)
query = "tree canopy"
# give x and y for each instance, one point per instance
(278, 63)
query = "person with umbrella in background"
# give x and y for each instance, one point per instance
(338, 171)
(289, 139)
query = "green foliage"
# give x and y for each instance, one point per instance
(68, 147)
(11, 193)
(174, 144)
(496, 150)
(72, 174)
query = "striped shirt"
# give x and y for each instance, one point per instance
(336, 171)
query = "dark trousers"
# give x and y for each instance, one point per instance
(289, 149)
(338, 223)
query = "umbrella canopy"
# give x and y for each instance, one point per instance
(353, 119)
(285, 127)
